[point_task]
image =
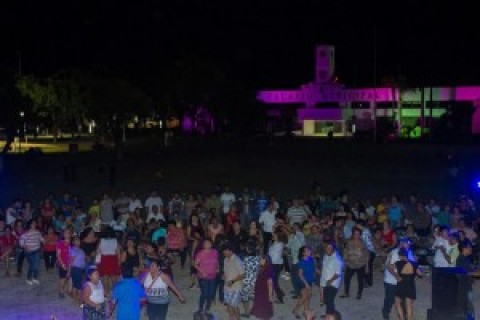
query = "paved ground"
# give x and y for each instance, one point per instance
(22, 302)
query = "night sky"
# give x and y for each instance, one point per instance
(266, 44)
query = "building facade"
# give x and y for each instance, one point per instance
(329, 107)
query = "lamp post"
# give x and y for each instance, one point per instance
(22, 115)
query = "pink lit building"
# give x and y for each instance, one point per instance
(329, 106)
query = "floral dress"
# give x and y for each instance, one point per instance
(251, 264)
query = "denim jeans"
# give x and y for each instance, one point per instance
(389, 299)
(33, 259)
(295, 279)
(207, 293)
(470, 308)
(19, 257)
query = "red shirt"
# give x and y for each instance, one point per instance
(7, 242)
(64, 249)
(175, 239)
(388, 237)
(231, 218)
(50, 244)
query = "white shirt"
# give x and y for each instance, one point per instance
(134, 204)
(276, 252)
(157, 217)
(108, 247)
(439, 260)
(97, 295)
(331, 266)
(267, 219)
(153, 201)
(227, 199)
(118, 225)
(392, 258)
(296, 215)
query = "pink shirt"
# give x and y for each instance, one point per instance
(207, 261)
(175, 239)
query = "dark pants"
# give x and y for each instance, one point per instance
(182, 254)
(360, 278)
(157, 311)
(277, 268)
(33, 259)
(207, 293)
(295, 279)
(389, 299)
(286, 264)
(19, 257)
(369, 275)
(219, 285)
(50, 258)
(329, 294)
(267, 238)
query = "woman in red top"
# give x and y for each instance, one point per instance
(389, 238)
(63, 261)
(47, 212)
(7, 247)
(176, 242)
(50, 249)
(232, 217)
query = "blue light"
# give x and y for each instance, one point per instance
(478, 184)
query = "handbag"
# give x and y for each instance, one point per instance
(143, 302)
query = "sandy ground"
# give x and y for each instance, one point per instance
(21, 302)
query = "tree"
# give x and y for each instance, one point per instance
(69, 97)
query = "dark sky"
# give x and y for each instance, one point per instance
(267, 44)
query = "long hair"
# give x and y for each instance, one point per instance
(268, 262)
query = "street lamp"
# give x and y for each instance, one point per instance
(22, 115)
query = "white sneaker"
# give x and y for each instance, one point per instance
(30, 282)
(35, 281)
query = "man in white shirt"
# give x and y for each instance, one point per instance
(135, 203)
(296, 213)
(331, 277)
(441, 240)
(389, 279)
(227, 198)
(267, 220)
(153, 200)
(121, 203)
(155, 214)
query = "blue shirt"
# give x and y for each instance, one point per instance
(261, 204)
(128, 293)
(394, 213)
(308, 267)
(159, 233)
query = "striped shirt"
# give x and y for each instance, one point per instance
(296, 215)
(31, 240)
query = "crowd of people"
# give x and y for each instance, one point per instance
(120, 253)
